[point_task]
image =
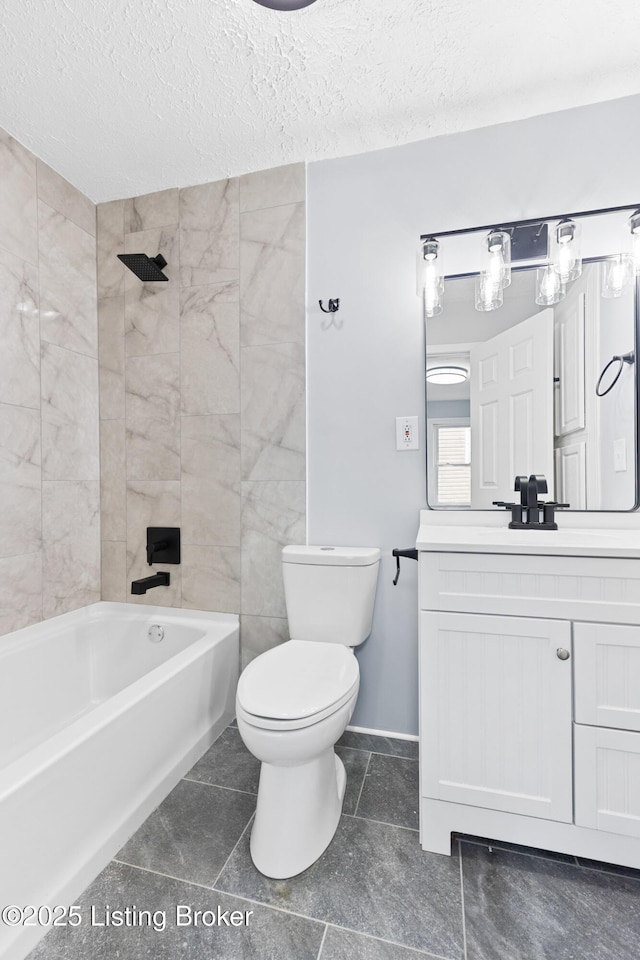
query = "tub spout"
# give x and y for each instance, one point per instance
(160, 579)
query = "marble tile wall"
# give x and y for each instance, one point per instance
(49, 429)
(202, 393)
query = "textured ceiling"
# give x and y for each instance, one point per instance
(126, 97)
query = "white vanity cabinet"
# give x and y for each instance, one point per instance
(530, 700)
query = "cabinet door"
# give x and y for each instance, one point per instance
(608, 780)
(607, 675)
(496, 713)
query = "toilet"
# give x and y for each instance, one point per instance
(294, 702)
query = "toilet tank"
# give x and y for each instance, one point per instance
(330, 592)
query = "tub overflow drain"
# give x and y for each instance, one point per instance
(156, 633)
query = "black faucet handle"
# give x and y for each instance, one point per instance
(519, 481)
(540, 481)
(154, 547)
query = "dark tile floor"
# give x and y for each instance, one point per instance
(373, 895)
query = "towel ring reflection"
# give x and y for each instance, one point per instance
(621, 360)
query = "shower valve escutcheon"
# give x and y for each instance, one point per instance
(163, 545)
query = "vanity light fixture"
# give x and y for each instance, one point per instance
(551, 245)
(549, 287)
(433, 277)
(447, 375)
(567, 259)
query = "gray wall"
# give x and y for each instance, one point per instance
(49, 470)
(365, 215)
(202, 393)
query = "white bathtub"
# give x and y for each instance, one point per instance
(97, 724)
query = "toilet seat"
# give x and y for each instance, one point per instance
(297, 684)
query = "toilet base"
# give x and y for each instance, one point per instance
(297, 814)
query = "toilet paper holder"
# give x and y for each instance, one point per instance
(410, 554)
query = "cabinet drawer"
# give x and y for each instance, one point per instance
(607, 780)
(565, 588)
(607, 675)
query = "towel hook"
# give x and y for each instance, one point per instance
(333, 305)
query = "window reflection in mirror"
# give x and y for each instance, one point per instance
(524, 400)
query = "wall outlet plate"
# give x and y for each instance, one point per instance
(407, 433)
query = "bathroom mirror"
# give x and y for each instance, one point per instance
(531, 360)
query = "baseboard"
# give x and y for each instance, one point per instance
(384, 733)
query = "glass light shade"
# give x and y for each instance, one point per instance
(635, 251)
(433, 278)
(433, 295)
(489, 295)
(617, 275)
(447, 375)
(549, 287)
(566, 255)
(498, 262)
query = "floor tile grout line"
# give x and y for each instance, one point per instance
(383, 823)
(392, 943)
(220, 786)
(392, 756)
(159, 873)
(366, 770)
(464, 923)
(324, 937)
(235, 846)
(269, 906)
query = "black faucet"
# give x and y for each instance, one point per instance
(160, 579)
(526, 514)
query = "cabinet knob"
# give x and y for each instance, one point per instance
(562, 654)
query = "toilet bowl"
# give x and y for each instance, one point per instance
(294, 702)
(291, 709)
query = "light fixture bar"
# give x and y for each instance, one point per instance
(507, 225)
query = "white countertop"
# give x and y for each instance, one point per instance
(490, 538)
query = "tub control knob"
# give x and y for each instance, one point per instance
(156, 633)
(562, 654)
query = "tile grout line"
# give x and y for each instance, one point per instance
(159, 873)
(220, 786)
(235, 846)
(393, 943)
(324, 937)
(383, 823)
(355, 809)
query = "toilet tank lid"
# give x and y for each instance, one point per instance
(331, 556)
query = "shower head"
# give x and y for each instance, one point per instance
(144, 267)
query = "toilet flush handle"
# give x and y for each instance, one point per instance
(411, 554)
